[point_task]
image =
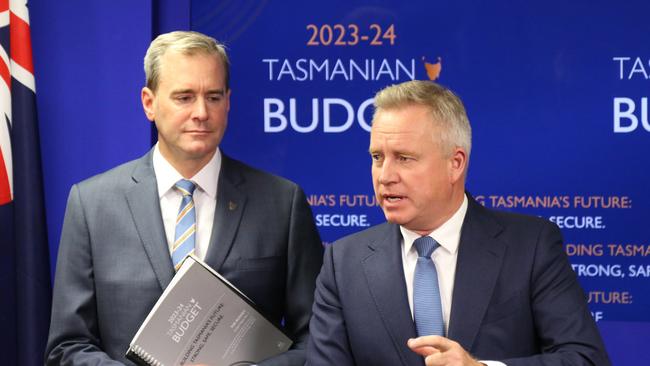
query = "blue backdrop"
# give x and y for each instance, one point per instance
(556, 93)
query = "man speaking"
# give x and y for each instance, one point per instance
(445, 281)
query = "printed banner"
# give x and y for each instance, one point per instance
(556, 92)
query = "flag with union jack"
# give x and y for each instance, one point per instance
(25, 288)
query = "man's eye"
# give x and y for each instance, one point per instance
(183, 98)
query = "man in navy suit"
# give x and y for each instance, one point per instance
(505, 291)
(114, 258)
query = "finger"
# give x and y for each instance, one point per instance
(436, 359)
(425, 350)
(441, 343)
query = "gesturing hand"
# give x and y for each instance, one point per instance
(441, 351)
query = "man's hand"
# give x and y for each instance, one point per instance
(440, 351)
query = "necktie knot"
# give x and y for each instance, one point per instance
(185, 186)
(425, 246)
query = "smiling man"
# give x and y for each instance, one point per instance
(126, 230)
(445, 281)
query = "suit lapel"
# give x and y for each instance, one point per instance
(144, 204)
(385, 277)
(480, 256)
(227, 215)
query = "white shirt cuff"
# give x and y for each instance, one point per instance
(493, 363)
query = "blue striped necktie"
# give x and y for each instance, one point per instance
(427, 307)
(185, 233)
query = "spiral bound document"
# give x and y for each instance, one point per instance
(201, 318)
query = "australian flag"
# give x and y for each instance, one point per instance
(25, 287)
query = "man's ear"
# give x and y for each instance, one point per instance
(148, 99)
(228, 99)
(457, 164)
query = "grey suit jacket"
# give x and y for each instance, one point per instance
(114, 262)
(515, 298)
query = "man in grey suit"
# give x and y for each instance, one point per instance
(445, 281)
(118, 235)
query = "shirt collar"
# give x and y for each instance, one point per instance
(447, 235)
(206, 179)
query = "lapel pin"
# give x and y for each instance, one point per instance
(232, 205)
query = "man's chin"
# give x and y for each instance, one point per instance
(394, 218)
(200, 152)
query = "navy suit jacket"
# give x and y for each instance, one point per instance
(114, 261)
(515, 298)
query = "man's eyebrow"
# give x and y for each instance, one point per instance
(217, 91)
(182, 91)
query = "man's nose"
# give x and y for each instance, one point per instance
(200, 111)
(388, 173)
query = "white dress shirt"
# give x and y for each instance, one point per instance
(448, 236)
(444, 258)
(205, 198)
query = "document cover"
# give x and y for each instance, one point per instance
(203, 319)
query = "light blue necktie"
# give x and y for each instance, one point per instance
(185, 233)
(427, 307)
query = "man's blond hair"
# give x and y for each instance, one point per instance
(446, 109)
(186, 43)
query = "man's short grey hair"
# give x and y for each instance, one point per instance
(186, 43)
(446, 108)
